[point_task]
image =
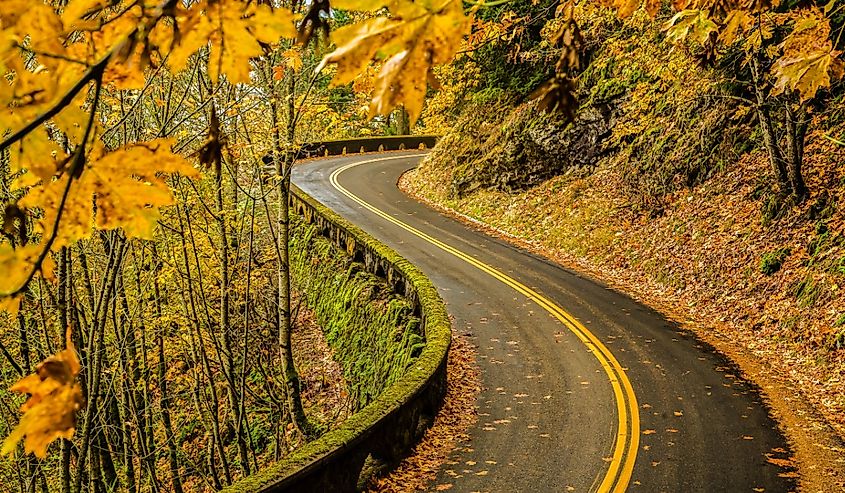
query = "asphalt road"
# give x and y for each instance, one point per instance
(584, 388)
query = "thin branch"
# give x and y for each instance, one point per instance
(73, 172)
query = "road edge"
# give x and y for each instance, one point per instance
(818, 451)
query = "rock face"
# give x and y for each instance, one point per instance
(530, 147)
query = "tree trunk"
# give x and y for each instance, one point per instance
(283, 164)
(403, 121)
(770, 140)
(796, 129)
(162, 385)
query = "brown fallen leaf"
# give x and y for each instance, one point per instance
(443, 487)
(649, 432)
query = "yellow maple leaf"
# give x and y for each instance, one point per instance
(806, 74)
(233, 30)
(417, 37)
(37, 154)
(15, 263)
(293, 60)
(129, 184)
(360, 5)
(736, 23)
(690, 24)
(50, 411)
(809, 59)
(626, 8)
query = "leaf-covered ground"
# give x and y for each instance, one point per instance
(764, 287)
(450, 428)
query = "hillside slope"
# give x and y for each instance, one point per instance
(660, 188)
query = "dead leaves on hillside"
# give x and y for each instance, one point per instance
(50, 411)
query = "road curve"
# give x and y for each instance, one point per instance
(585, 390)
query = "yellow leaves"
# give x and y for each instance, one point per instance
(360, 5)
(291, 59)
(235, 31)
(50, 411)
(37, 154)
(15, 264)
(806, 73)
(127, 185)
(737, 23)
(692, 24)
(417, 37)
(626, 8)
(32, 19)
(809, 59)
(130, 186)
(652, 7)
(76, 11)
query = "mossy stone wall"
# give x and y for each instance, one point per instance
(373, 331)
(391, 333)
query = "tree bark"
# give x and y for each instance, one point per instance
(283, 164)
(770, 140)
(796, 129)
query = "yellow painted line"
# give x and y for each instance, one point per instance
(626, 443)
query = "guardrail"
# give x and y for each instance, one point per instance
(368, 144)
(382, 433)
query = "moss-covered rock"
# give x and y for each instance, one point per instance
(526, 148)
(373, 331)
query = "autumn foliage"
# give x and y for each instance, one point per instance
(123, 121)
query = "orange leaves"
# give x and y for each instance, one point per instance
(291, 60)
(50, 411)
(411, 42)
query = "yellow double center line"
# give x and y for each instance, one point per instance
(626, 443)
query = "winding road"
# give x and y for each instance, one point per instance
(585, 390)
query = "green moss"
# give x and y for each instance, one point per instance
(357, 291)
(807, 291)
(607, 90)
(771, 262)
